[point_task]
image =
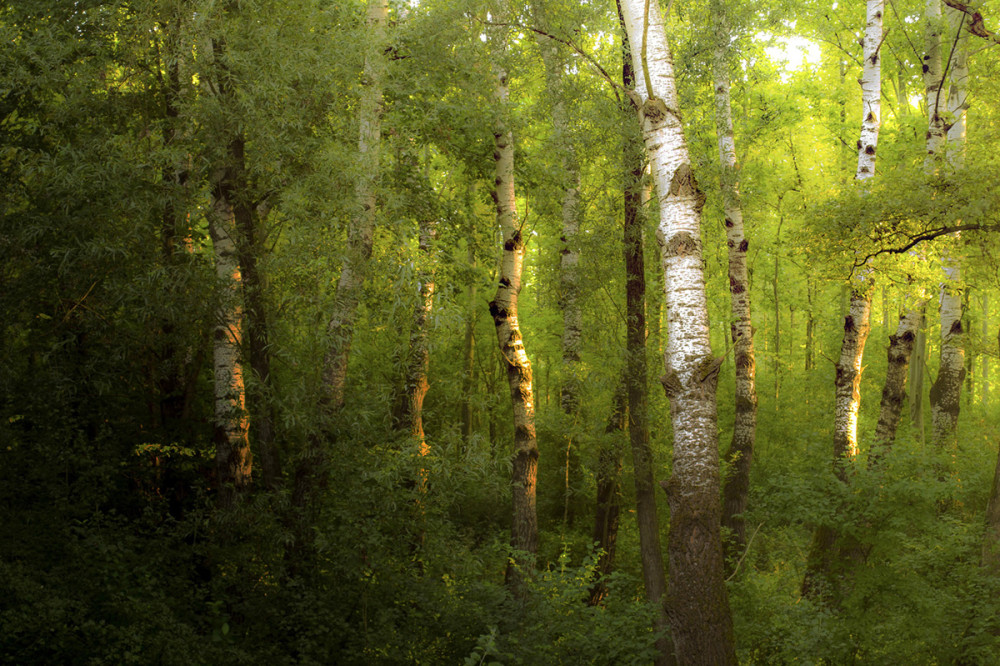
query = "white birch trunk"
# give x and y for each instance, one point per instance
(894, 392)
(360, 235)
(697, 600)
(947, 389)
(740, 454)
(933, 69)
(503, 308)
(232, 453)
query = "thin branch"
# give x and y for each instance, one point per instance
(944, 75)
(566, 42)
(976, 25)
(744, 555)
(916, 53)
(923, 237)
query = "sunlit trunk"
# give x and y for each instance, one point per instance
(697, 600)
(740, 454)
(232, 446)
(360, 234)
(503, 308)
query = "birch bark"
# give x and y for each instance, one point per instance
(503, 308)
(740, 454)
(232, 446)
(697, 602)
(946, 391)
(894, 392)
(360, 235)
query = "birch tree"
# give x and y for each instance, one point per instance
(504, 310)
(740, 454)
(361, 233)
(947, 388)
(697, 602)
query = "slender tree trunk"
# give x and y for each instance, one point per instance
(635, 199)
(810, 326)
(361, 233)
(469, 356)
(609, 492)
(569, 278)
(503, 308)
(697, 600)
(740, 454)
(946, 392)
(984, 372)
(894, 392)
(232, 445)
(918, 367)
(250, 248)
(410, 407)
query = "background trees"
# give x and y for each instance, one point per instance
(130, 131)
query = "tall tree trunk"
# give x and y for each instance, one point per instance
(569, 278)
(740, 454)
(894, 391)
(697, 600)
(410, 407)
(232, 445)
(946, 392)
(984, 372)
(635, 198)
(250, 248)
(469, 356)
(810, 326)
(609, 492)
(361, 233)
(503, 308)
(918, 367)
(828, 550)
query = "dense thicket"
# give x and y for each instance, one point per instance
(184, 185)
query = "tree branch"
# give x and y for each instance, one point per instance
(615, 86)
(923, 237)
(975, 25)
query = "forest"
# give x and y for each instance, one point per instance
(499, 332)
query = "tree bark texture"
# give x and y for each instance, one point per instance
(697, 600)
(250, 249)
(918, 366)
(933, 69)
(740, 454)
(946, 393)
(871, 90)
(894, 391)
(857, 325)
(635, 198)
(469, 356)
(232, 445)
(360, 234)
(609, 492)
(503, 308)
